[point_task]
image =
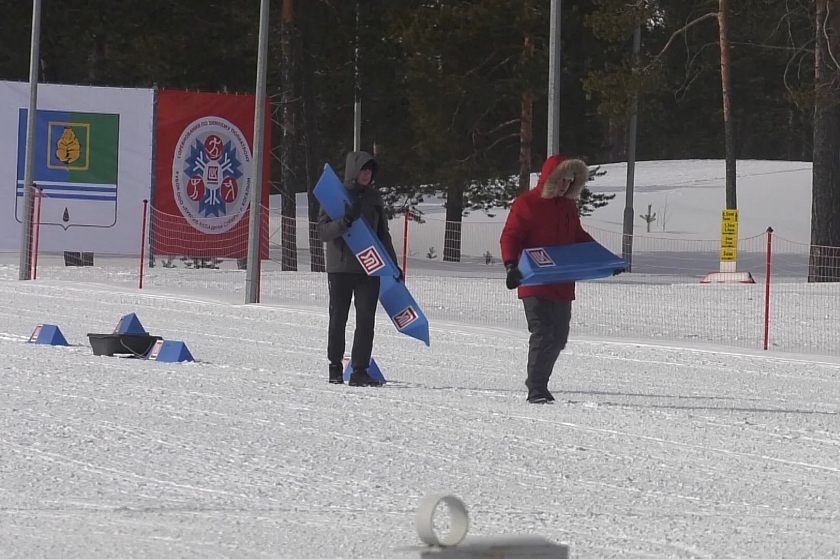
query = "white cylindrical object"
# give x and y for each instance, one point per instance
(426, 526)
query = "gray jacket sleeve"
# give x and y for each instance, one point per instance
(328, 229)
(384, 234)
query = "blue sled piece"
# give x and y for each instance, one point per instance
(373, 371)
(404, 311)
(170, 351)
(394, 296)
(47, 334)
(568, 263)
(129, 324)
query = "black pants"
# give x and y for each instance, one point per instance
(548, 322)
(364, 289)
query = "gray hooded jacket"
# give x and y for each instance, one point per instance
(340, 259)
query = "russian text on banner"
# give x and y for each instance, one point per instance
(394, 296)
(204, 173)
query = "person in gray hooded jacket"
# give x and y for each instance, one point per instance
(346, 278)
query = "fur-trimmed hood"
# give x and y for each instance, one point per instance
(558, 167)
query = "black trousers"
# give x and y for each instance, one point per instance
(364, 289)
(548, 322)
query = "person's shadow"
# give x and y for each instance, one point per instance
(679, 402)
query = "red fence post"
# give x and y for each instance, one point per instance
(767, 289)
(143, 240)
(37, 234)
(405, 241)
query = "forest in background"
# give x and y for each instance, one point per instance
(454, 93)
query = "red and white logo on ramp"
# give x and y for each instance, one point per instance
(405, 317)
(370, 260)
(156, 350)
(540, 257)
(36, 333)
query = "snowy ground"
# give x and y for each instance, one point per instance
(651, 451)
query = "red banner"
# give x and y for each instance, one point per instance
(204, 175)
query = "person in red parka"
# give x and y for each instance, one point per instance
(545, 216)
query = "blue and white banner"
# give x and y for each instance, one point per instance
(92, 162)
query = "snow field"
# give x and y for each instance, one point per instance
(651, 451)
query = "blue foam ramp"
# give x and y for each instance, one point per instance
(129, 324)
(568, 263)
(373, 371)
(170, 351)
(47, 334)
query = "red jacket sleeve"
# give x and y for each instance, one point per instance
(581, 236)
(514, 232)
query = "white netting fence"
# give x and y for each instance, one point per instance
(171, 255)
(661, 299)
(804, 316)
(51, 221)
(191, 261)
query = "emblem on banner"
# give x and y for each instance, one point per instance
(212, 170)
(370, 260)
(405, 317)
(540, 257)
(76, 167)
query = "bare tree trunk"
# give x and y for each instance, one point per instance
(728, 127)
(96, 59)
(454, 219)
(287, 143)
(824, 264)
(526, 125)
(525, 139)
(791, 137)
(617, 134)
(311, 142)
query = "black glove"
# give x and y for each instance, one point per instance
(514, 276)
(351, 213)
(619, 271)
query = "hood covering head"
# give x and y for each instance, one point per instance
(355, 161)
(558, 167)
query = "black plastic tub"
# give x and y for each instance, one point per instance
(137, 345)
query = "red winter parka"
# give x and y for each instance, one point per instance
(542, 217)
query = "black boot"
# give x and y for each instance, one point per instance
(360, 377)
(539, 396)
(336, 375)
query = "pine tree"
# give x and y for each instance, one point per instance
(825, 220)
(590, 201)
(463, 103)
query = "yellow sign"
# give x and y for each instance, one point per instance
(729, 228)
(729, 236)
(730, 216)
